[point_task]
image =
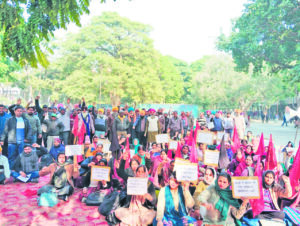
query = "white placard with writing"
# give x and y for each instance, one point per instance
(187, 172)
(245, 187)
(162, 138)
(137, 186)
(211, 158)
(72, 150)
(173, 145)
(100, 173)
(220, 136)
(205, 138)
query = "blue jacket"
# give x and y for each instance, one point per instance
(54, 151)
(217, 124)
(2, 121)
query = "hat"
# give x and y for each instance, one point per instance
(142, 112)
(53, 115)
(137, 110)
(115, 109)
(130, 109)
(57, 140)
(45, 106)
(90, 106)
(27, 145)
(62, 109)
(100, 110)
(151, 110)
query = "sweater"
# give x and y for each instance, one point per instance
(4, 163)
(35, 124)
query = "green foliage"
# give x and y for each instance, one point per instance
(267, 31)
(27, 23)
(114, 58)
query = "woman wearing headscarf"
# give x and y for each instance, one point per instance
(239, 158)
(61, 174)
(56, 148)
(143, 157)
(135, 145)
(93, 151)
(209, 178)
(185, 152)
(271, 193)
(217, 202)
(174, 201)
(139, 209)
(159, 162)
(93, 186)
(245, 165)
(249, 169)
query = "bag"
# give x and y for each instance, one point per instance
(110, 202)
(100, 124)
(95, 198)
(48, 199)
(112, 219)
(46, 160)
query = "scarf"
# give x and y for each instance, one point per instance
(225, 201)
(29, 162)
(142, 158)
(86, 123)
(136, 146)
(121, 118)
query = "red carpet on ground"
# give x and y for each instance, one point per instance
(19, 207)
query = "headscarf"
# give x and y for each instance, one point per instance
(136, 146)
(214, 174)
(265, 185)
(142, 158)
(226, 200)
(95, 158)
(61, 164)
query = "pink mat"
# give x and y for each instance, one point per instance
(19, 207)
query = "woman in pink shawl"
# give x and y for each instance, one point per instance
(238, 159)
(159, 162)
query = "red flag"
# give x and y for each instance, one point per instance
(295, 171)
(196, 131)
(127, 150)
(178, 151)
(271, 161)
(193, 156)
(258, 204)
(190, 138)
(261, 146)
(236, 141)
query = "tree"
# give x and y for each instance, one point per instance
(25, 24)
(267, 31)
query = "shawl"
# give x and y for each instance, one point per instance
(136, 146)
(142, 158)
(239, 169)
(225, 201)
(78, 132)
(165, 170)
(86, 123)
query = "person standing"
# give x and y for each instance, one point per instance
(175, 126)
(18, 131)
(3, 117)
(54, 129)
(228, 124)
(140, 127)
(100, 124)
(66, 121)
(35, 124)
(43, 115)
(152, 127)
(240, 124)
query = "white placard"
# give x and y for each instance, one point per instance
(210, 125)
(211, 158)
(137, 185)
(72, 150)
(99, 173)
(205, 138)
(162, 138)
(187, 172)
(173, 145)
(220, 136)
(245, 187)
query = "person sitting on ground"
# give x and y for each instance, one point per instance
(139, 209)
(93, 152)
(143, 157)
(61, 174)
(27, 164)
(57, 148)
(4, 168)
(159, 162)
(216, 203)
(174, 201)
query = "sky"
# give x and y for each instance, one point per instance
(185, 29)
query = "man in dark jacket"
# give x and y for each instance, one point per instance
(3, 117)
(26, 167)
(43, 115)
(140, 127)
(18, 132)
(54, 129)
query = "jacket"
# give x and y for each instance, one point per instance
(52, 168)
(10, 130)
(34, 123)
(54, 128)
(18, 166)
(137, 124)
(3, 119)
(121, 125)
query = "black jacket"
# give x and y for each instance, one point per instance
(10, 130)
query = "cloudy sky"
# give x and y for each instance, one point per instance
(185, 29)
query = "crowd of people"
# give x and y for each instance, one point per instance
(33, 143)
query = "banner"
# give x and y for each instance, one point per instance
(72, 150)
(247, 187)
(137, 185)
(99, 173)
(211, 158)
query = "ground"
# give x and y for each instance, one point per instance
(19, 200)
(19, 207)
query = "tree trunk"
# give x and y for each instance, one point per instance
(114, 99)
